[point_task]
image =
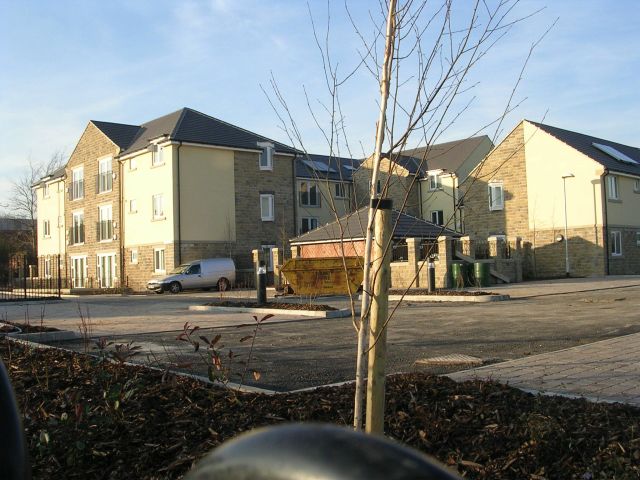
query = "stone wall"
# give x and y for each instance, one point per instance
(138, 274)
(629, 262)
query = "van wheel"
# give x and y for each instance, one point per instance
(175, 287)
(223, 284)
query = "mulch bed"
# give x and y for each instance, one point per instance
(282, 306)
(450, 293)
(85, 419)
(25, 327)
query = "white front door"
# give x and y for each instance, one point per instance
(79, 272)
(106, 269)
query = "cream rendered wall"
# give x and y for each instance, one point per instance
(324, 213)
(52, 209)
(207, 194)
(625, 210)
(547, 160)
(441, 199)
(141, 184)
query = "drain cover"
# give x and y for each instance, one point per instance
(452, 359)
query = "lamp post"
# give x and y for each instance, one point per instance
(566, 238)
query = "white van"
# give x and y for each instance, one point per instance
(205, 273)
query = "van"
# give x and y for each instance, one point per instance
(205, 273)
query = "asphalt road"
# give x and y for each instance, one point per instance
(294, 352)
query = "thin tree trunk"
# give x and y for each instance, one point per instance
(366, 284)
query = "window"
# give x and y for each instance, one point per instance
(134, 256)
(133, 206)
(612, 184)
(496, 196)
(157, 156)
(105, 176)
(308, 224)
(45, 190)
(266, 158)
(616, 243)
(379, 187)
(158, 207)
(47, 268)
(266, 207)
(78, 271)
(435, 182)
(133, 164)
(105, 223)
(194, 269)
(106, 270)
(77, 184)
(437, 217)
(637, 239)
(341, 190)
(636, 186)
(309, 194)
(77, 229)
(46, 228)
(158, 260)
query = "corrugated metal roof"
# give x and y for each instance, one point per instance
(354, 225)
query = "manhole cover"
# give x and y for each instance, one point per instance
(452, 359)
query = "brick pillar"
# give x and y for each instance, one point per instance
(255, 255)
(496, 247)
(413, 253)
(295, 251)
(443, 265)
(277, 265)
(468, 246)
(517, 256)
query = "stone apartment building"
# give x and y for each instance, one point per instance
(540, 179)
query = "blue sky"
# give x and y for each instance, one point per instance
(64, 63)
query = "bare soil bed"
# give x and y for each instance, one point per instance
(100, 420)
(275, 305)
(439, 291)
(8, 327)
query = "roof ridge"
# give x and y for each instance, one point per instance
(542, 125)
(174, 132)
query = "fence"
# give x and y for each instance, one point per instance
(20, 281)
(399, 251)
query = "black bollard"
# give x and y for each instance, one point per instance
(261, 283)
(431, 270)
(14, 459)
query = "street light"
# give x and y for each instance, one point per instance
(566, 237)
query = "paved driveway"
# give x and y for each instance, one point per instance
(296, 352)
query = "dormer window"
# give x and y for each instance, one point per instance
(266, 156)
(435, 182)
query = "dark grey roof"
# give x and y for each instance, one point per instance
(584, 144)
(188, 125)
(119, 133)
(446, 156)
(354, 225)
(59, 173)
(326, 167)
(15, 224)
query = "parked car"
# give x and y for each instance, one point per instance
(205, 273)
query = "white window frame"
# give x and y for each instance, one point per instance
(159, 265)
(105, 169)
(77, 220)
(47, 268)
(435, 182)
(157, 205)
(77, 183)
(309, 186)
(269, 262)
(109, 282)
(76, 261)
(46, 228)
(133, 258)
(638, 238)
(613, 191)
(439, 217)
(45, 190)
(494, 205)
(269, 215)
(105, 214)
(616, 243)
(309, 221)
(133, 164)
(341, 190)
(636, 185)
(265, 160)
(157, 157)
(133, 205)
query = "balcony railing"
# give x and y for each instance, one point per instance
(104, 230)
(77, 190)
(104, 181)
(76, 234)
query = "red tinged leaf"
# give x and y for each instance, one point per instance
(196, 346)
(244, 339)
(256, 375)
(215, 340)
(266, 317)
(205, 339)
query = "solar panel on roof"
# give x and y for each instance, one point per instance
(319, 167)
(615, 153)
(350, 167)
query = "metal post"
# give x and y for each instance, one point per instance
(261, 283)
(381, 269)
(431, 270)
(24, 275)
(566, 238)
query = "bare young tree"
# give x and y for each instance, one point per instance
(22, 203)
(421, 55)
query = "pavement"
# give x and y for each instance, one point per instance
(605, 371)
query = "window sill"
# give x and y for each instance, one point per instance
(309, 206)
(614, 200)
(46, 237)
(158, 219)
(105, 191)
(76, 244)
(158, 165)
(110, 240)
(268, 220)
(267, 169)
(132, 212)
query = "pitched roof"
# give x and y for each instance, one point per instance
(119, 133)
(13, 224)
(354, 225)
(188, 125)
(446, 156)
(59, 173)
(584, 144)
(326, 167)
